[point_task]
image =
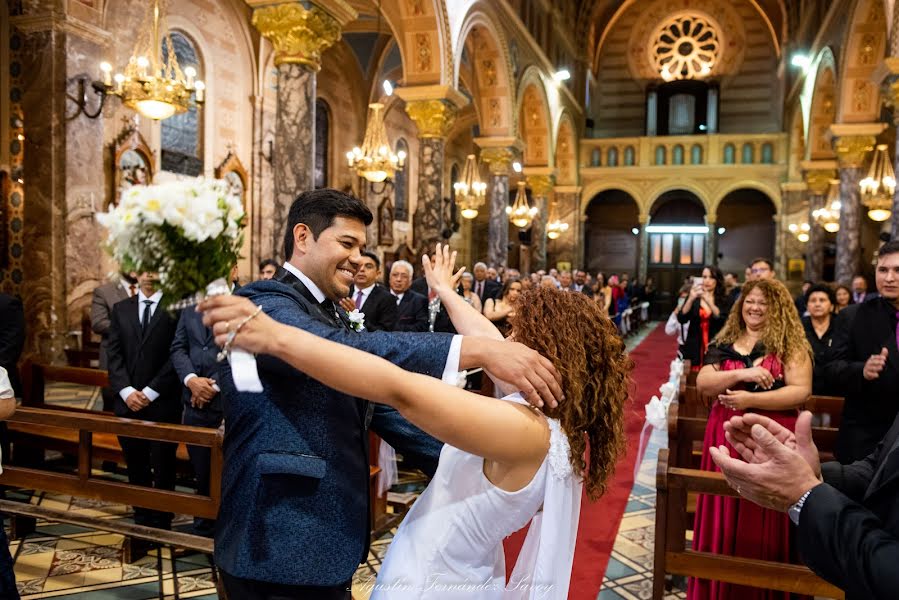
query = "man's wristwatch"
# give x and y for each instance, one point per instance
(794, 510)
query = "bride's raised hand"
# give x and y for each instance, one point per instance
(238, 318)
(439, 269)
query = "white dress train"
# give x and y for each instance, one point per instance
(449, 546)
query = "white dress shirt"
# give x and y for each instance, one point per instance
(450, 371)
(399, 297)
(149, 392)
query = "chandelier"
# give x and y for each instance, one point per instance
(470, 190)
(828, 216)
(520, 213)
(879, 185)
(800, 230)
(555, 226)
(375, 161)
(152, 84)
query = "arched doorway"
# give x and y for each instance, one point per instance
(610, 245)
(676, 239)
(747, 229)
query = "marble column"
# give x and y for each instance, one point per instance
(434, 118)
(817, 183)
(299, 32)
(499, 159)
(711, 241)
(852, 145)
(643, 255)
(541, 185)
(569, 246)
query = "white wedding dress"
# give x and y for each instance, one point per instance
(449, 546)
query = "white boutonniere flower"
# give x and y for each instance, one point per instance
(357, 320)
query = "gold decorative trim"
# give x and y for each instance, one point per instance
(434, 118)
(299, 35)
(499, 159)
(852, 149)
(818, 180)
(541, 185)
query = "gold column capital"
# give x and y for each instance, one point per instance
(300, 34)
(434, 118)
(499, 159)
(818, 180)
(541, 185)
(852, 149)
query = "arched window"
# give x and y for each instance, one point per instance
(748, 154)
(400, 187)
(729, 154)
(596, 157)
(767, 153)
(612, 157)
(661, 155)
(696, 155)
(182, 134)
(322, 136)
(677, 155)
(629, 156)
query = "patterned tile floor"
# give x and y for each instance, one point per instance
(73, 563)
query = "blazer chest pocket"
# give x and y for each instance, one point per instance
(282, 463)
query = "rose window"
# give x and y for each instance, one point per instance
(685, 47)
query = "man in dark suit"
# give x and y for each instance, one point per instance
(104, 298)
(412, 307)
(580, 284)
(847, 516)
(866, 362)
(369, 298)
(194, 354)
(140, 371)
(860, 293)
(294, 519)
(12, 338)
(483, 286)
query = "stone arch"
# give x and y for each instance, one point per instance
(747, 214)
(608, 220)
(663, 187)
(535, 120)
(492, 84)
(771, 191)
(594, 189)
(822, 113)
(425, 41)
(566, 151)
(862, 51)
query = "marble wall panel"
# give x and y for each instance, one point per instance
(498, 227)
(428, 214)
(849, 235)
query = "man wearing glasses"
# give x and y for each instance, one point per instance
(761, 268)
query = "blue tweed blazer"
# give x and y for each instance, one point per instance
(295, 505)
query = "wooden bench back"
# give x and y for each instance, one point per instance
(35, 375)
(672, 556)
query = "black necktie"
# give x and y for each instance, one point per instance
(145, 322)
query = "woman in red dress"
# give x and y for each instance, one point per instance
(759, 362)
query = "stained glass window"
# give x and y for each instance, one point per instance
(182, 148)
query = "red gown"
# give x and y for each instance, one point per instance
(734, 526)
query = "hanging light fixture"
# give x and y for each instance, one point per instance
(470, 190)
(800, 230)
(879, 185)
(555, 226)
(520, 213)
(375, 161)
(152, 84)
(828, 216)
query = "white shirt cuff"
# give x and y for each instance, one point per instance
(189, 377)
(451, 370)
(125, 392)
(150, 393)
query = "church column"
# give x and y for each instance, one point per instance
(299, 32)
(711, 240)
(818, 175)
(62, 188)
(540, 180)
(852, 144)
(643, 264)
(568, 247)
(498, 156)
(433, 109)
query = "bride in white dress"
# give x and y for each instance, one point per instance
(505, 464)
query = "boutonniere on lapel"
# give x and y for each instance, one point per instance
(357, 320)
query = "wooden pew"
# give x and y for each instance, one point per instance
(673, 485)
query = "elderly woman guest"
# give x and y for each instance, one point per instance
(467, 284)
(819, 331)
(759, 362)
(500, 310)
(843, 298)
(705, 309)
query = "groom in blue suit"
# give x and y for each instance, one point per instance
(294, 517)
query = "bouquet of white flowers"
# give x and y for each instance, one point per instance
(189, 231)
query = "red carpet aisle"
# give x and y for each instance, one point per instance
(600, 520)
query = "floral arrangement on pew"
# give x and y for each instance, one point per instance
(189, 231)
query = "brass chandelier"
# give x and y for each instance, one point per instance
(375, 161)
(828, 216)
(470, 190)
(800, 230)
(555, 226)
(152, 84)
(520, 213)
(878, 187)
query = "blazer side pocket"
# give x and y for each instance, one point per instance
(283, 463)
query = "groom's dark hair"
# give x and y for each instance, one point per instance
(317, 209)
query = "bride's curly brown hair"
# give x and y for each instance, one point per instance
(575, 334)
